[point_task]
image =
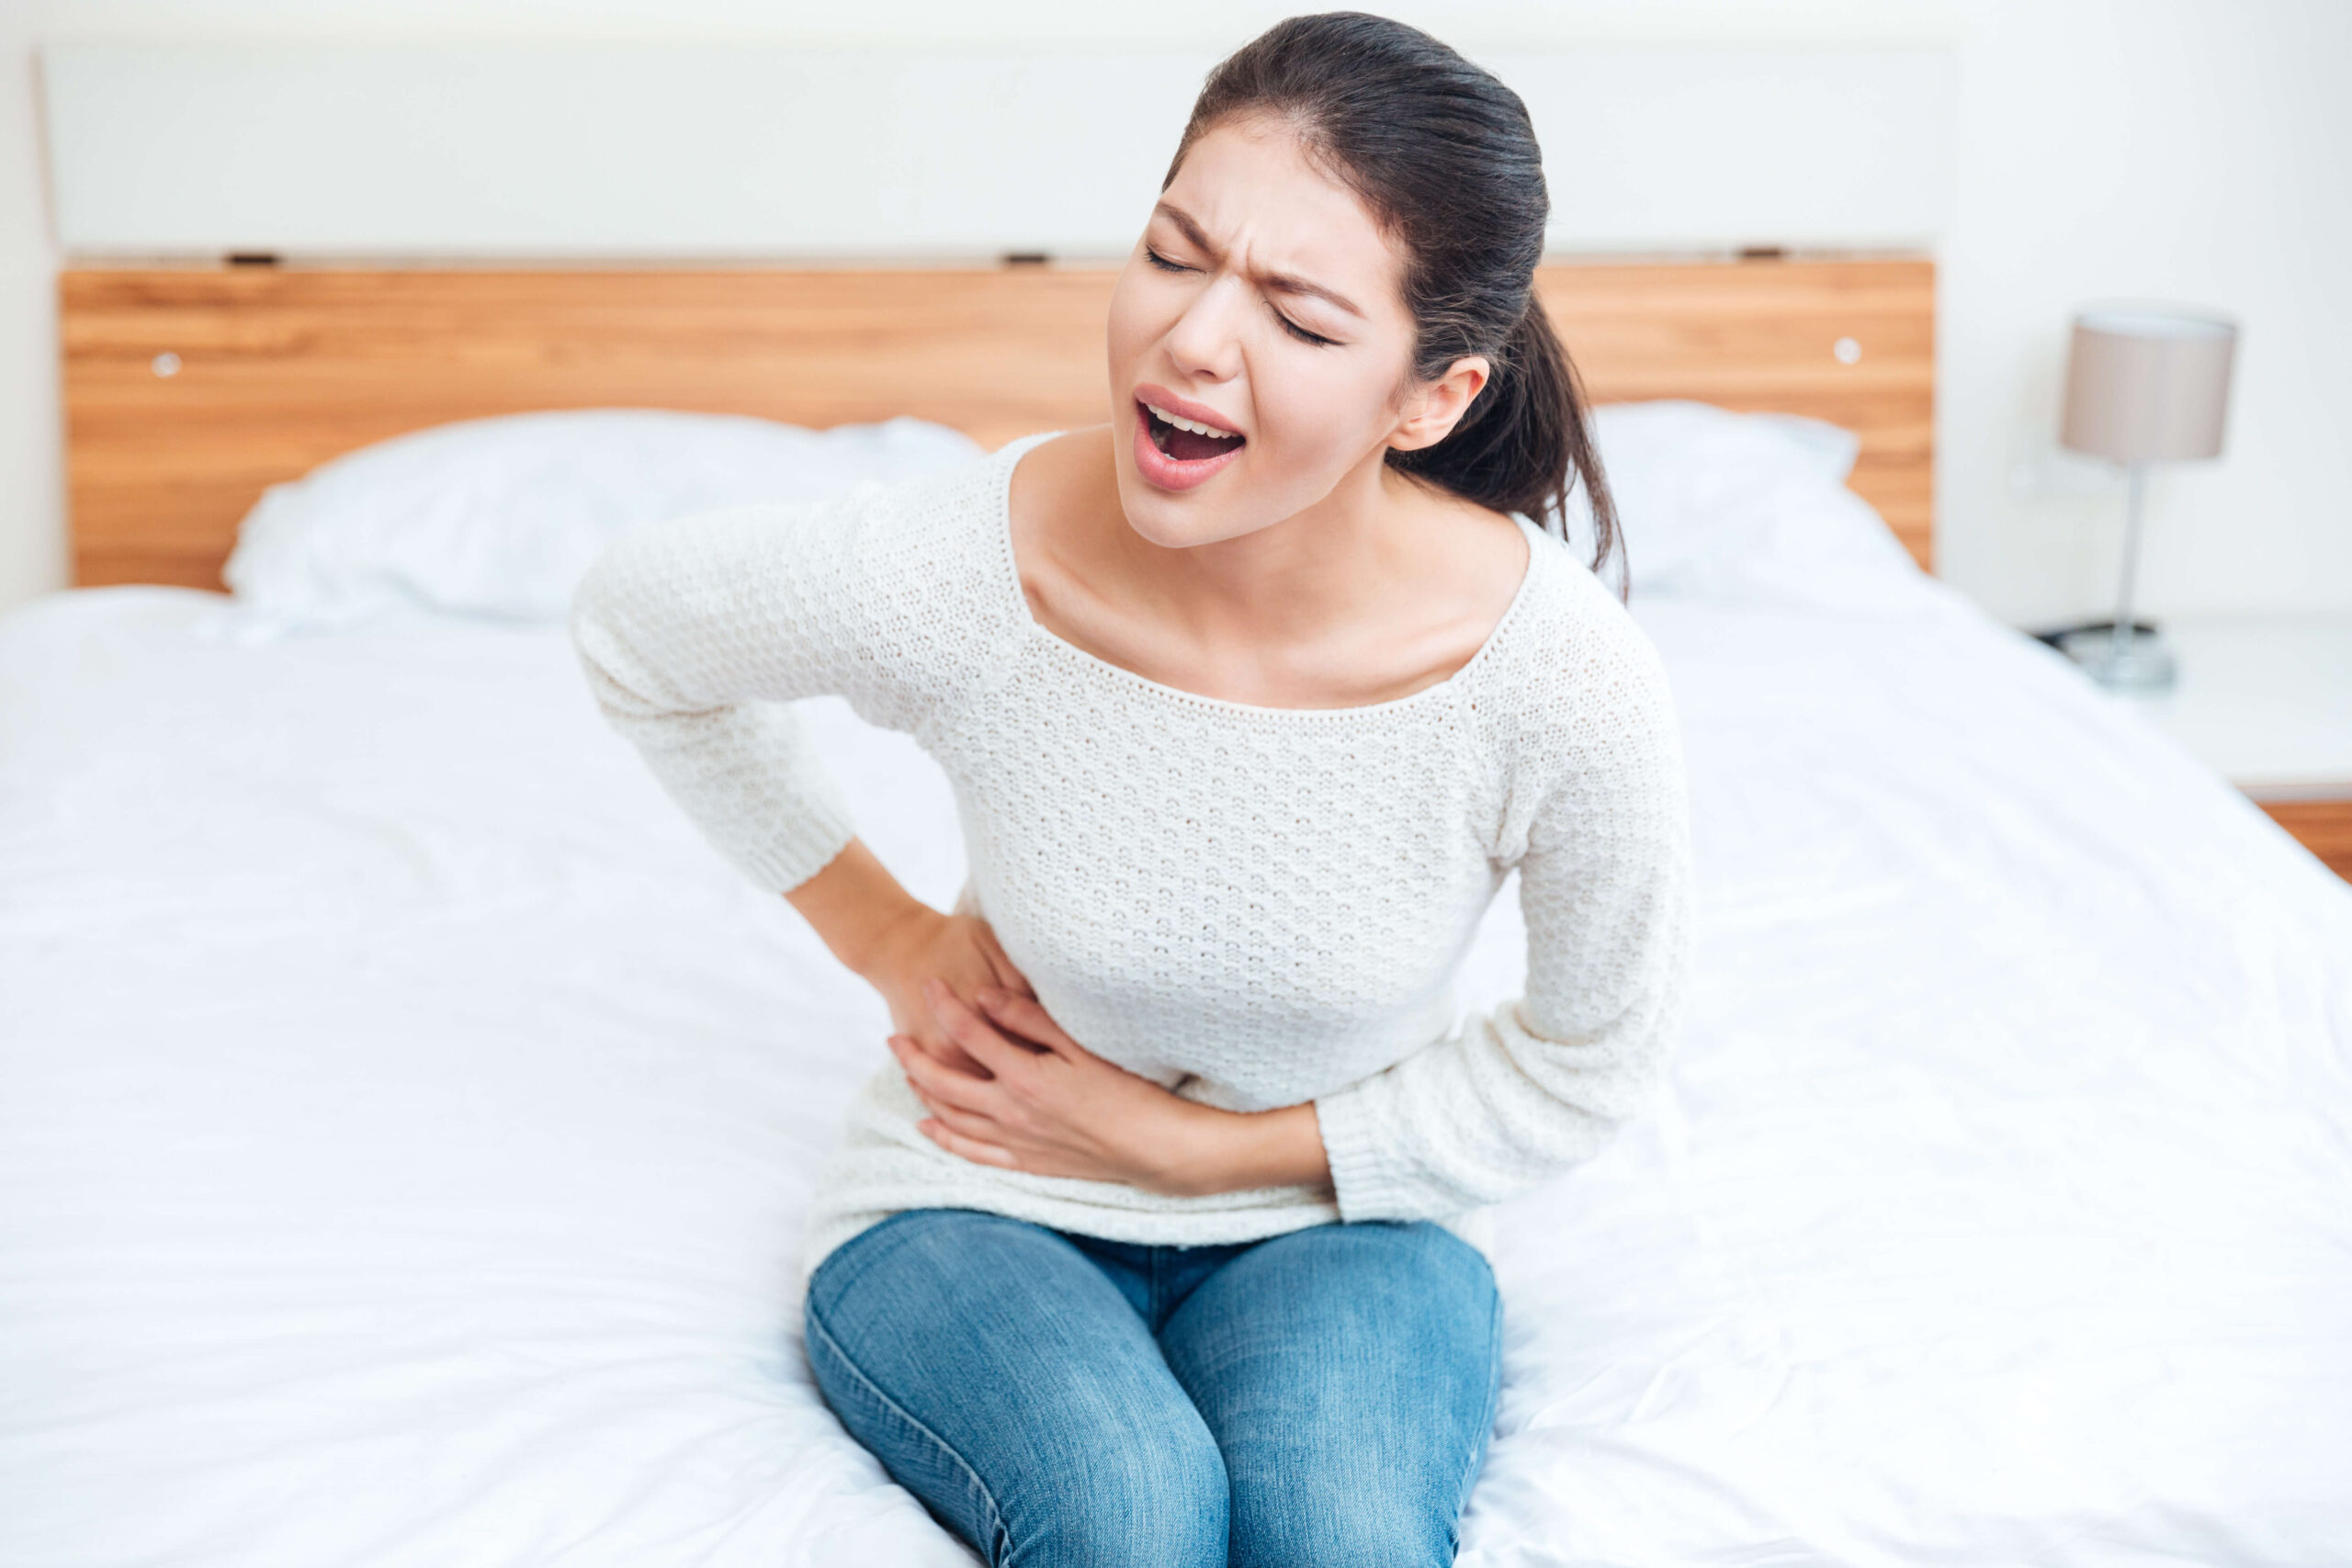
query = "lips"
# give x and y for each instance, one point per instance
(1180, 443)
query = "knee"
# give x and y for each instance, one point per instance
(1147, 1499)
(1316, 1527)
(1444, 1267)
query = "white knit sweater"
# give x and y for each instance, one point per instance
(1257, 907)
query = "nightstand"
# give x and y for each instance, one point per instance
(2268, 700)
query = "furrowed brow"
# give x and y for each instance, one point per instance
(1185, 226)
(1283, 282)
(1290, 285)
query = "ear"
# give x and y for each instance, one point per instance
(1433, 408)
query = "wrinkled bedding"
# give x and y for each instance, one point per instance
(405, 1120)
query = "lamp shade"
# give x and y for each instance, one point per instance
(2148, 384)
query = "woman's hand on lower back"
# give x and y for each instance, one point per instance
(1027, 1096)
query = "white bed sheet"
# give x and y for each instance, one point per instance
(405, 1119)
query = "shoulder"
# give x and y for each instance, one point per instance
(928, 541)
(1572, 666)
(937, 534)
(1574, 703)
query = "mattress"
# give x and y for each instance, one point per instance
(406, 1120)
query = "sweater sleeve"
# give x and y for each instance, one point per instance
(1542, 1083)
(694, 633)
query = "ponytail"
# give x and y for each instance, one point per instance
(1444, 156)
(1526, 442)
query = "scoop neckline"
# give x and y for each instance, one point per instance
(1009, 459)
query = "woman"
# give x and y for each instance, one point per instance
(1156, 1244)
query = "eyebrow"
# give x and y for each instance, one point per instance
(1285, 282)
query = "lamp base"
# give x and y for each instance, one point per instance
(2146, 664)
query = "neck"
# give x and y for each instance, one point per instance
(1292, 578)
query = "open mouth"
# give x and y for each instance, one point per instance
(1185, 440)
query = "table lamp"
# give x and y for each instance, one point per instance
(2144, 384)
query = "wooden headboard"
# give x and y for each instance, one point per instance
(187, 390)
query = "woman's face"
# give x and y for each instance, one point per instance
(1264, 304)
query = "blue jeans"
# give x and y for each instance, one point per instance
(1318, 1398)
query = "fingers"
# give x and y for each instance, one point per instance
(960, 1130)
(935, 1083)
(957, 1104)
(972, 1149)
(1022, 1016)
(979, 1129)
(945, 1051)
(972, 1032)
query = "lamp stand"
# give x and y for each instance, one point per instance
(2116, 655)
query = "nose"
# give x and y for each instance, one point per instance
(1206, 341)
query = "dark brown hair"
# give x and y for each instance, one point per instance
(1445, 158)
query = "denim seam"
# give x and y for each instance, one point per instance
(1484, 1436)
(996, 1515)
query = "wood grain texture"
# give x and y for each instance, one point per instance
(2322, 827)
(279, 370)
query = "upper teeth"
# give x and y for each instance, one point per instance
(1194, 425)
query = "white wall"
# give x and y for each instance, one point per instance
(2194, 150)
(700, 151)
(32, 504)
(2188, 149)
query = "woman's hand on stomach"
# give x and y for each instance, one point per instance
(898, 943)
(957, 952)
(1020, 1094)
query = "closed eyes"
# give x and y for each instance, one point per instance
(1301, 334)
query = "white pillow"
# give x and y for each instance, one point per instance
(1738, 506)
(500, 518)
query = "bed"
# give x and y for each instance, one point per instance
(406, 1117)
